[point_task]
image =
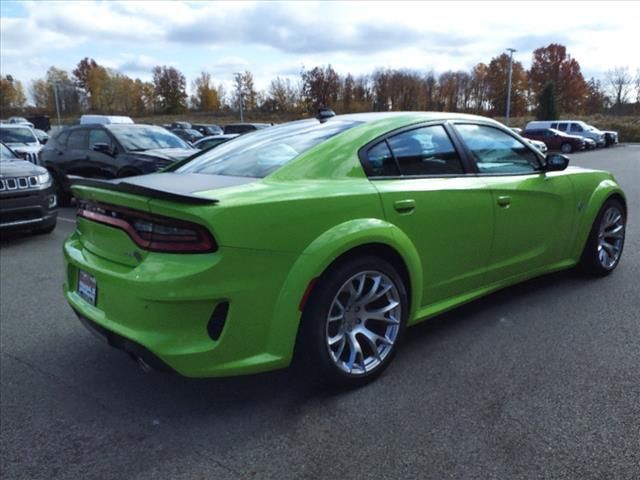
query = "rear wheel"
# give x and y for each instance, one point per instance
(566, 148)
(604, 246)
(353, 321)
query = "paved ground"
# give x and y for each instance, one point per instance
(539, 381)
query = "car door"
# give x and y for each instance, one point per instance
(103, 164)
(76, 155)
(446, 213)
(534, 210)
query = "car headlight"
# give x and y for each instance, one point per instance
(45, 180)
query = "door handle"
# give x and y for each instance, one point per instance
(404, 206)
(504, 200)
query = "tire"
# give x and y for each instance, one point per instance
(566, 148)
(340, 341)
(605, 243)
(63, 197)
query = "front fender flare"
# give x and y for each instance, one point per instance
(605, 189)
(319, 255)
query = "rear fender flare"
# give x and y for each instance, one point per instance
(318, 256)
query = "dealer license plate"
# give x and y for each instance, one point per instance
(87, 287)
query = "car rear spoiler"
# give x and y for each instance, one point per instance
(121, 185)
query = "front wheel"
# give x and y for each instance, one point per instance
(353, 321)
(566, 148)
(602, 252)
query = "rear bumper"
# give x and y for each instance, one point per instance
(166, 306)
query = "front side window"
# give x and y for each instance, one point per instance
(97, 135)
(495, 151)
(425, 151)
(576, 128)
(262, 152)
(77, 140)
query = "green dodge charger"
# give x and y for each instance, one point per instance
(323, 239)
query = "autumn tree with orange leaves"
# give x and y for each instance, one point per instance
(553, 64)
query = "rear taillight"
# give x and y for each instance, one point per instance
(151, 232)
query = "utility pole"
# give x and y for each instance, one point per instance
(510, 50)
(238, 76)
(55, 94)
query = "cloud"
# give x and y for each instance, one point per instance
(285, 30)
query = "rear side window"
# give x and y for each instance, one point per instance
(563, 127)
(381, 161)
(77, 140)
(495, 151)
(425, 151)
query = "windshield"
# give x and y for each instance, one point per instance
(6, 155)
(140, 138)
(260, 153)
(17, 135)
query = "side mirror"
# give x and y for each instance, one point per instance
(103, 147)
(555, 162)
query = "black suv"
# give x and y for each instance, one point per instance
(109, 151)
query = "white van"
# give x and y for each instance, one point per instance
(104, 119)
(572, 127)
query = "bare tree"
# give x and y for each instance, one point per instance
(620, 81)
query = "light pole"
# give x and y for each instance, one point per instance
(238, 77)
(55, 94)
(510, 50)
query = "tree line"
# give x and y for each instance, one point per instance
(554, 85)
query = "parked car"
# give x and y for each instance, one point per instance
(105, 119)
(20, 121)
(538, 144)
(214, 140)
(589, 143)
(610, 136)
(571, 127)
(27, 199)
(187, 134)
(109, 151)
(41, 122)
(181, 125)
(41, 135)
(326, 238)
(208, 129)
(21, 139)
(556, 140)
(242, 128)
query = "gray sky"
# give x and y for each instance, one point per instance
(279, 38)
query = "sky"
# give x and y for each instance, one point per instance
(280, 38)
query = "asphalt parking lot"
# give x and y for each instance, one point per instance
(541, 380)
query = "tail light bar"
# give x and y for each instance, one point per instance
(151, 232)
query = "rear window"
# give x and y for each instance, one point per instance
(262, 152)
